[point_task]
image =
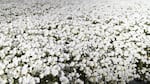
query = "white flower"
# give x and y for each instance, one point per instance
(2, 66)
(126, 53)
(15, 61)
(37, 80)
(1, 71)
(77, 57)
(93, 79)
(24, 69)
(28, 79)
(78, 81)
(3, 81)
(112, 46)
(64, 80)
(54, 72)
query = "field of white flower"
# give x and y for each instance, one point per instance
(74, 41)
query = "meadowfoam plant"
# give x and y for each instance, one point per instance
(81, 42)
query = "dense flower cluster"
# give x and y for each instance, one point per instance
(74, 41)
